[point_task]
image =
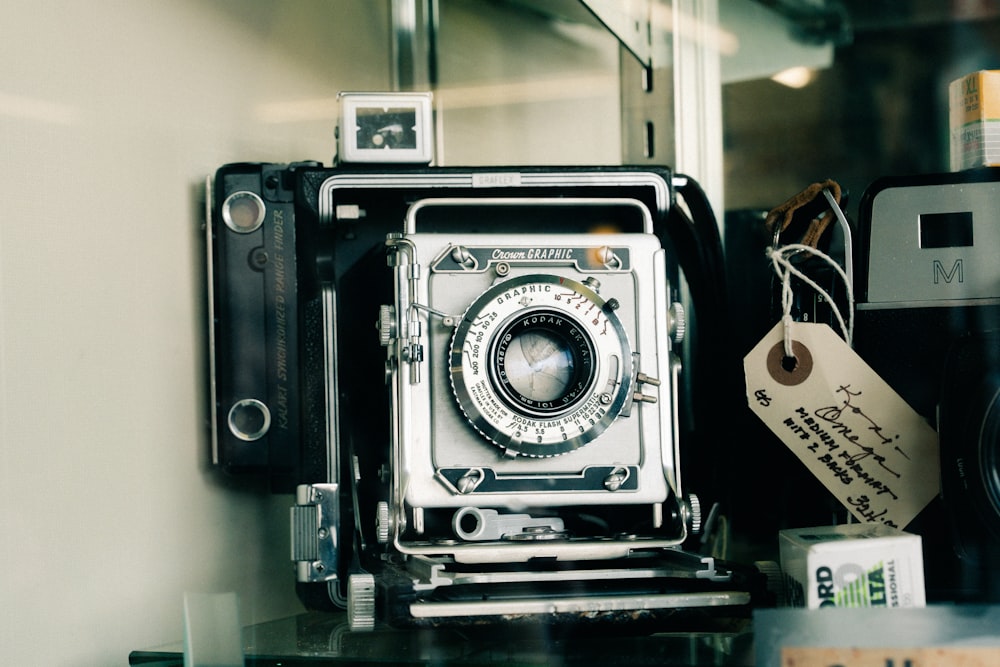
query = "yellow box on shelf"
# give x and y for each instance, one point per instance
(974, 120)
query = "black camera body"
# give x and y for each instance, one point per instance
(927, 315)
(969, 423)
(469, 378)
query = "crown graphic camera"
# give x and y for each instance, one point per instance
(467, 375)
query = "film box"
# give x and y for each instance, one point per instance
(853, 565)
(974, 120)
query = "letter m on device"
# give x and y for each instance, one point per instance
(957, 271)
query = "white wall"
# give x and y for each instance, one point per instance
(112, 113)
(519, 88)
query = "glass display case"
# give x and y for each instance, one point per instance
(114, 509)
(755, 100)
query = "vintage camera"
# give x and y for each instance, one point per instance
(469, 377)
(969, 426)
(927, 318)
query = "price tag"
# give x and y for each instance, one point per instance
(849, 428)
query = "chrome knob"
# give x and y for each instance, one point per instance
(361, 602)
(694, 514)
(386, 324)
(676, 322)
(383, 522)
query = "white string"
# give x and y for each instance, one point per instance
(785, 270)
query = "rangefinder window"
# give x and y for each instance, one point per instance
(249, 419)
(946, 230)
(243, 212)
(380, 128)
(385, 128)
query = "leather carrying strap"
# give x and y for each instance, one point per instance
(783, 214)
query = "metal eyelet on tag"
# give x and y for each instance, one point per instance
(778, 364)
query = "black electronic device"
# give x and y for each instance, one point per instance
(927, 315)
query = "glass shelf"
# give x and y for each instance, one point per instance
(325, 638)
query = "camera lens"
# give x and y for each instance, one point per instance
(243, 212)
(540, 366)
(249, 419)
(543, 362)
(989, 457)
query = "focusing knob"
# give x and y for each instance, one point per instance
(386, 324)
(677, 323)
(361, 602)
(382, 522)
(694, 513)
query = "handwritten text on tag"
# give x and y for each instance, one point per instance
(850, 429)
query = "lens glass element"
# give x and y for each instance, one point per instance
(539, 365)
(543, 362)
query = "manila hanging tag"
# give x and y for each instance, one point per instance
(850, 429)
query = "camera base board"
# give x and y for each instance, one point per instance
(429, 591)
